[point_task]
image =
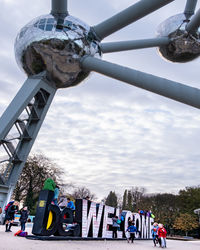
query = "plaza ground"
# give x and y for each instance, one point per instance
(9, 242)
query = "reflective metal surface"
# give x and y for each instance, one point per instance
(55, 45)
(184, 47)
(171, 24)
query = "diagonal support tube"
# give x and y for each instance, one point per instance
(190, 8)
(23, 97)
(35, 97)
(59, 7)
(128, 16)
(135, 44)
(194, 23)
(161, 86)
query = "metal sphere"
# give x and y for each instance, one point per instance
(184, 47)
(56, 46)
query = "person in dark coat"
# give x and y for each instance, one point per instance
(23, 218)
(10, 215)
(115, 226)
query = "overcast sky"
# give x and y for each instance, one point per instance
(106, 134)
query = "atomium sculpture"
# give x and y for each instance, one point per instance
(58, 51)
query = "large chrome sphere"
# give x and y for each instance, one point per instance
(183, 47)
(55, 45)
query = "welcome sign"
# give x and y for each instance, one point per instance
(95, 220)
(90, 219)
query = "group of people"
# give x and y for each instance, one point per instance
(131, 230)
(146, 213)
(63, 201)
(66, 202)
(10, 210)
(159, 234)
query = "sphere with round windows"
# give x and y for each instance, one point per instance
(56, 45)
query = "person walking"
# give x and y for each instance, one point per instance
(132, 229)
(162, 233)
(10, 215)
(23, 218)
(154, 233)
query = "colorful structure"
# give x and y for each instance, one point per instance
(89, 220)
(58, 51)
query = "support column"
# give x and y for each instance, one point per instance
(25, 114)
(59, 7)
(190, 8)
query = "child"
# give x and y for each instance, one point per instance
(154, 233)
(132, 230)
(23, 218)
(70, 204)
(162, 233)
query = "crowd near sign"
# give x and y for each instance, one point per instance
(89, 219)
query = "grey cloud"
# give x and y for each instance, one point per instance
(108, 135)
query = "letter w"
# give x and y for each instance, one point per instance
(91, 216)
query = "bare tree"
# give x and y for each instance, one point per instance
(137, 193)
(36, 170)
(83, 192)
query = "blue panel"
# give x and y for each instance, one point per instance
(41, 26)
(50, 20)
(42, 21)
(49, 27)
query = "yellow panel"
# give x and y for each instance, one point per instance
(50, 219)
(42, 203)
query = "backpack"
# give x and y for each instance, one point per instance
(18, 232)
(8, 205)
(118, 221)
(21, 233)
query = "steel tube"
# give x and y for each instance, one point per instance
(135, 44)
(127, 16)
(190, 8)
(194, 23)
(32, 86)
(20, 101)
(161, 86)
(59, 7)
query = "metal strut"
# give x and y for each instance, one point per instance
(19, 126)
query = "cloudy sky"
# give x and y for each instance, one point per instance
(106, 134)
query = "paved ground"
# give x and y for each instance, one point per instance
(9, 242)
